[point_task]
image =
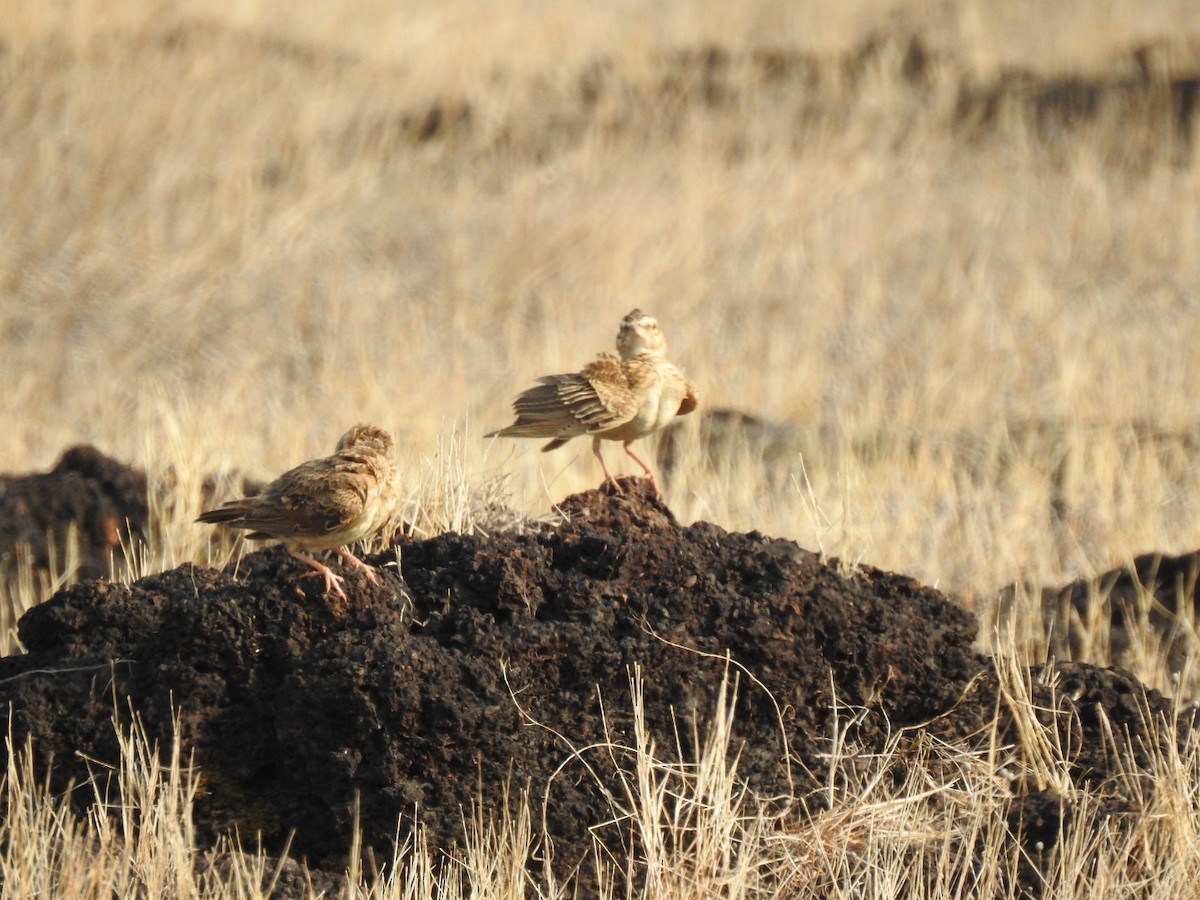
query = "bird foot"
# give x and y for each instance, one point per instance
(613, 484)
(357, 563)
(645, 468)
(333, 581)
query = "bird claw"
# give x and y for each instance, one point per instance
(357, 563)
(333, 581)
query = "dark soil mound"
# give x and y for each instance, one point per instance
(418, 691)
(104, 499)
(1154, 592)
(1113, 730)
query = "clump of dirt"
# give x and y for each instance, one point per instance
(479, 662)
(105, 500)
(1113, 732)
(1154, 592)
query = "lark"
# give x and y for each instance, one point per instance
(323, 504)
(614, 398)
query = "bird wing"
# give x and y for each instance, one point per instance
(600, 396)
(315, 498)
(594, 399)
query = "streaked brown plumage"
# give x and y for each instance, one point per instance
(614, 398)
(323, 504)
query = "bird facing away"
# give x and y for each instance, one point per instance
(323, 504)
(614, 398)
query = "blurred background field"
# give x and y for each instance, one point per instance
(945, 253)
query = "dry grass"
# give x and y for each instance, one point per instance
(226, 236)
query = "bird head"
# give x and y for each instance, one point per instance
(640, 334)
(368, 435)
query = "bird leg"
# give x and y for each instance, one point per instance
(332, 579)
(645, 468)
(357, 563)
(607, 474)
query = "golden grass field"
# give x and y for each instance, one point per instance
(226, 236)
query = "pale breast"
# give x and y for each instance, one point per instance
(650, 412)
(660, 400)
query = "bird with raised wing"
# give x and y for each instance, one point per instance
(323, 504)
(614, 398)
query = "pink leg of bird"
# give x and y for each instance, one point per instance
(357, 563)
(607, 474)
(332, 579)
(645, 468)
